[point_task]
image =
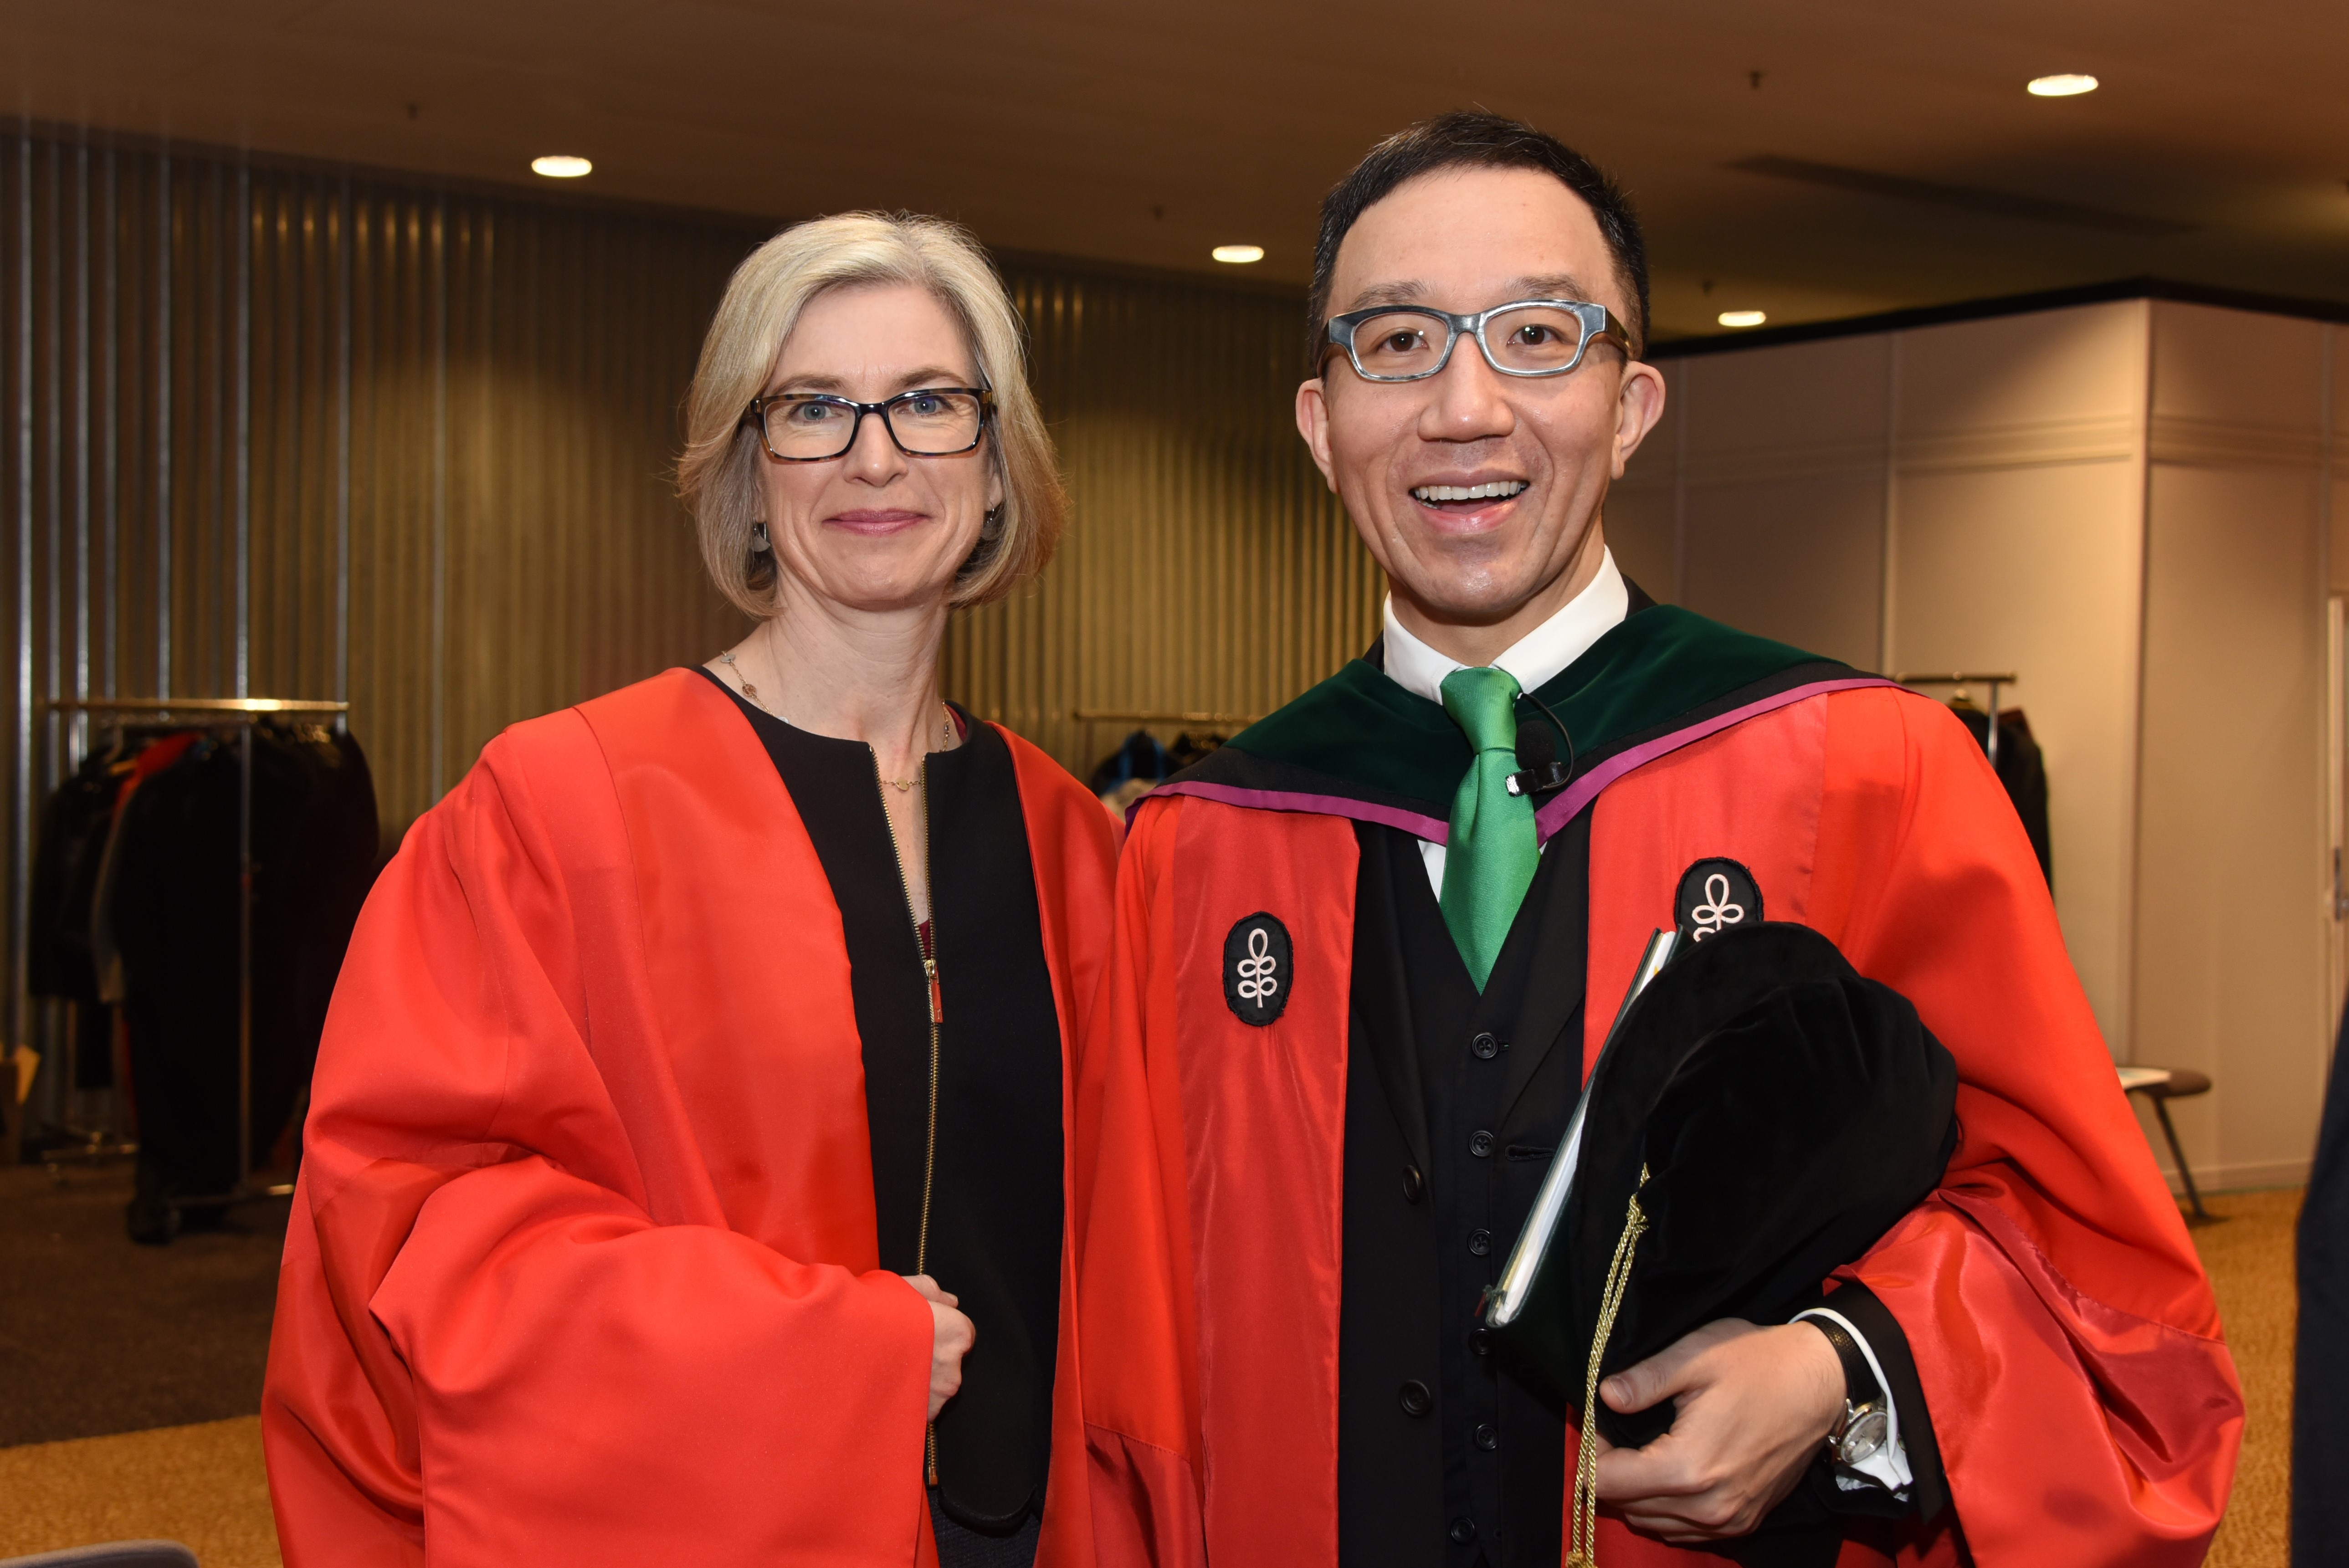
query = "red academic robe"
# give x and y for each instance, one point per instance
(2065, 1337)
(583, 1267)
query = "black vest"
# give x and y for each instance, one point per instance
(1454, 1103)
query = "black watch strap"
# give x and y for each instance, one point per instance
(1859, 1384)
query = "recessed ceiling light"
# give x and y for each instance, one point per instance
(2062, 86)
(561, 166)
(1238, 254)
(1741, 317)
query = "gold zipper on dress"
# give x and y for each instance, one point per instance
(927, 948)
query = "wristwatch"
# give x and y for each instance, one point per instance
(1861, 1431)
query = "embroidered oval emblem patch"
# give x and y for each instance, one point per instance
(1258, 964)
(1715, 894)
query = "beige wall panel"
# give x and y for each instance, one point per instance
(2045, 371)
(1775, 405)
(2231, 927)
(2340, 532)
(2335, 459)
(2235, 369)
(1798, 560)
(1641, 528)
(2035, 570)
(2337, 349)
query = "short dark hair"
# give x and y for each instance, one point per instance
(1471, 138)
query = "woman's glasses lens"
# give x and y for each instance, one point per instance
(924, 423)
(935, 422)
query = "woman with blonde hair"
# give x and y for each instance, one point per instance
(686, 1162)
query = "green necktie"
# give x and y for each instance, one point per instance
(1491, 855)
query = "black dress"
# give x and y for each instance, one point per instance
(980, 1211)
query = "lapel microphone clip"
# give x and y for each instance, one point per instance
(1543, 773)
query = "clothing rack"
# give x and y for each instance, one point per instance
(242, 712)
(1992, 682)
(1089, 717)
(1144, 715)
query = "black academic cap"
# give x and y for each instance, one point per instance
(1774, 1113)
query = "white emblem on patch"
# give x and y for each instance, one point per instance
(1255, 973)
(1716, 910)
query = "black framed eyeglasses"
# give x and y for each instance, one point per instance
(1523, 337)
(814, 427)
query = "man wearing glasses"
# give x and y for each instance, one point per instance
(1368, 951)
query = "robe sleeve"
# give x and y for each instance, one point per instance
(2062, 1329)
(502, 1335)
(1073, 844)
(1134, 1297)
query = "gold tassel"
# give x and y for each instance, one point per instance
(1582, 1550)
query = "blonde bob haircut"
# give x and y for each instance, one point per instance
(718, 477)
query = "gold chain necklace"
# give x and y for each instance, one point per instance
(903, 786)
(749, 690)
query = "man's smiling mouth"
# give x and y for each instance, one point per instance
(1497, 490)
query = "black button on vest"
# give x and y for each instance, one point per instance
(1485, 1047)
(1464, 1531)
(1414, 1185)
(1480, 1144)
(1415, 1398)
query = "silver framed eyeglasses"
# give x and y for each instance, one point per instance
(1523, 337)
(927, 422)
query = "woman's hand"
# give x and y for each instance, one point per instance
(951, 1337)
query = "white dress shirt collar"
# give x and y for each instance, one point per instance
(1535, 658)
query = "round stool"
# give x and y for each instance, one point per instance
(2160, 1085)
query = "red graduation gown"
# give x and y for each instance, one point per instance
(2066, 1339)
(583, 1267)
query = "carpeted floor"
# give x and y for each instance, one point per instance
(78, 1329)
(202, 1486)
(2250, 1260)
(102, 1335)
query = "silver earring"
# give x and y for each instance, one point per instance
(991, 525)
(760, 542)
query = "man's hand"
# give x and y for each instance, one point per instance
(951, 1336)
(1754, 1406)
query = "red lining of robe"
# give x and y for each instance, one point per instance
(2064, 1334)
(583, 1267)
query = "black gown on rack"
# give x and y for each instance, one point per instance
(173, 906)
(59, 960)
(2022, 771)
